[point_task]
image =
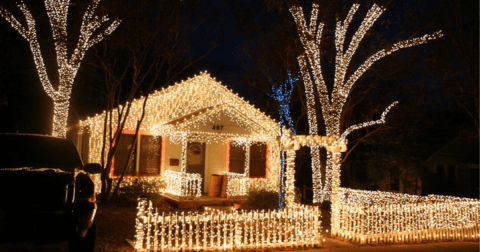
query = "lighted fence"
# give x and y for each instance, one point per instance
(237, 184)
(182, 184)
(381, 217)
(295, 227)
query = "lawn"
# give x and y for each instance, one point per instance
(114, 225)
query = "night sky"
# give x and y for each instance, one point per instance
(250, 45)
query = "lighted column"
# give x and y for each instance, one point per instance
(183, 159)
(335, 220)
(247, 159)
(290, 178)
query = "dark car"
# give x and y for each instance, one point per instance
(46, 193)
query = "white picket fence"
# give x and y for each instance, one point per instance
(295, 227)
(377, 218)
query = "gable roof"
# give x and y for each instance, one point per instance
(189, 102)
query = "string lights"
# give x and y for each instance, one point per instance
(185, 112)
(296, 226)
(332, 103)
(237, 184)
(67, 65)
(283, 95)
(184, 185)
(383, 217)
(290, 143)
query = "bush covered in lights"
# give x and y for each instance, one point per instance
(261, 198)
(132, 188)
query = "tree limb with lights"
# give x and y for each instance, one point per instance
(91, 32)
(332, 102)
(283, 95)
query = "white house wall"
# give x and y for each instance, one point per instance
(172, 151)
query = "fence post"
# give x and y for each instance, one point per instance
(139, 223)
(238, 232)
(148, 218)
(362, 225)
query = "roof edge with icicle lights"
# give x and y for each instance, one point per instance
(183, 101)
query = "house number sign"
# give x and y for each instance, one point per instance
(217, 127)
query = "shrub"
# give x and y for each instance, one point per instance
(261, 198)
(132, 188)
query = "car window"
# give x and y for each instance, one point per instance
(33, 151)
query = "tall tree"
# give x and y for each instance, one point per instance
(92, 30)
(152, 49)
(332, 102)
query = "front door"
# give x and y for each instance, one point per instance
(196, 159)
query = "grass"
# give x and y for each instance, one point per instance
(115, 224)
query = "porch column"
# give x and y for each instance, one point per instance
(247, 160)
(290, 178)
(183, 158)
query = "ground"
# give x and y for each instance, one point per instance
(116, 223)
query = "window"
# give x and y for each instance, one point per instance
(394, 184)
(440, 172)
(121, 155)
(148, 151)
(237, 159)
(452, 174)
(258, 160)
(474, 175)
(85, 141)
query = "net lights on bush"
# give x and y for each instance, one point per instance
(148, 184)
(90, 34)
(332, 103)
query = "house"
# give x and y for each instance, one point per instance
(454, 168)
(196, 127)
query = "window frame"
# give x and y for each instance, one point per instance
(136, 155)
(249, 148)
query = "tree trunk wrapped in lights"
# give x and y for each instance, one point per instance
(67, 65)
(332, 102)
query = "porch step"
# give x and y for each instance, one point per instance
(188, 203)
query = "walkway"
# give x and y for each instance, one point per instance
(341, 246)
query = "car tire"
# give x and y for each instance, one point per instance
(85, 244)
